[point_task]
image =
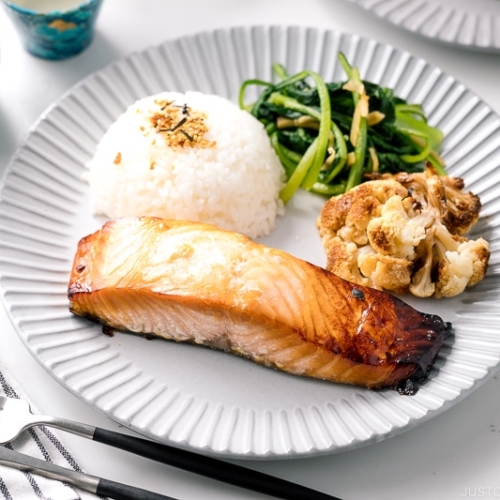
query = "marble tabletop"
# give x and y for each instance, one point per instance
(454, 455)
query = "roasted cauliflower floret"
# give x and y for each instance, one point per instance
(460, 209)
(389, 273)
(403, 234)
(462, 263)
(463, 208)
(343, 260)
(348, 216)
(395, 233)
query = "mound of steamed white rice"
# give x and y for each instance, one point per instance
(212, 162)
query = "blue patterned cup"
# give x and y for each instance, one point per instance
(54, 29)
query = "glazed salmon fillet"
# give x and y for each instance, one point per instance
(192, 282)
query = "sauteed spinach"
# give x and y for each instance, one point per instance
(332, 136)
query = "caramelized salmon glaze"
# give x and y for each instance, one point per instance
(193, 282)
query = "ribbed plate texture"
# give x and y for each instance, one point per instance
(197, 398)
(471, 24)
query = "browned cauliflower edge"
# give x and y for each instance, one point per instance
(405, 233)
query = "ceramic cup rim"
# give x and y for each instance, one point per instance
(32, 12)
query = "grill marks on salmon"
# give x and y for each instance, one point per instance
(193, 282)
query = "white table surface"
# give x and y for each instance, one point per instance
(455, 455)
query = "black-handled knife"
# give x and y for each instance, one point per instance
(213, 468)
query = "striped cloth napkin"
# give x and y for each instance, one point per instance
(40, 442)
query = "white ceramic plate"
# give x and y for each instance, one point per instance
(197, 398)
(472, 24)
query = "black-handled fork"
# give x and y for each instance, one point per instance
(16, 416)
(92, 484)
